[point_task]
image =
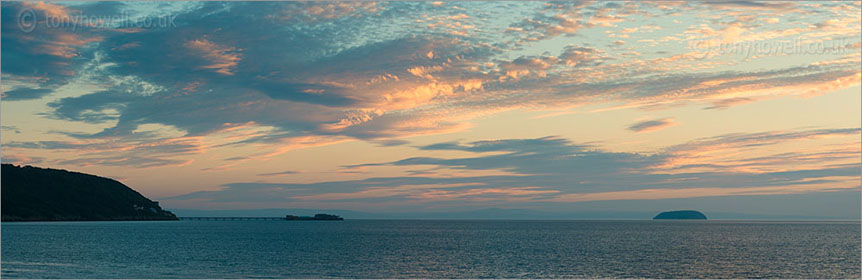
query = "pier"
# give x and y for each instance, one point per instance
(231, 218)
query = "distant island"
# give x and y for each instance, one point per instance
(42, 194)
(317, 217)
(680, 215)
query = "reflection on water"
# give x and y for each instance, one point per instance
(431, 249)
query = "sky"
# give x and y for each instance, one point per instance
(748, 107)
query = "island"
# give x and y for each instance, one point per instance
(317, 217)
(680, 215)
(43, 194)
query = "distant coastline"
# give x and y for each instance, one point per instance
(489, 214)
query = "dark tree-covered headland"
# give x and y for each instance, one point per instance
(41, 194)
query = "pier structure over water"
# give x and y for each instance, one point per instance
(231, 218)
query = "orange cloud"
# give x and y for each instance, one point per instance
(764, 152)
(50, 9)
(223, 59)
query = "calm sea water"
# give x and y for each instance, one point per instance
(431, 249)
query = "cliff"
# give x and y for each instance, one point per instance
(40, 194)
(680, 215)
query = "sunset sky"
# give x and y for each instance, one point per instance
(444, 106)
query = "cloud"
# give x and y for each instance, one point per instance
(650, 194)
(317, 11)
(652, 125)
(143, 150)
(745, 140)
(755, 5)
(223, 59)
(763, 153)
(11, 128)
(236, 158)
(555, 170)
(289, 172)
(729, 102)
(555, 19)
(22, 160)
(391, 142)
(134, 161)
(19, 94)
(301, 74)
(37, 52)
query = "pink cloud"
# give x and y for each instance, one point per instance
(223, 59)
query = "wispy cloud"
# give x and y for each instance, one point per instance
(652, 125)
(555, 170)
(289, 172)
(394, 82)
(19, 94)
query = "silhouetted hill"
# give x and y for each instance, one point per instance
(680, 215)
(40, 194)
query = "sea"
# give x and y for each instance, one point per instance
(432, 249)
